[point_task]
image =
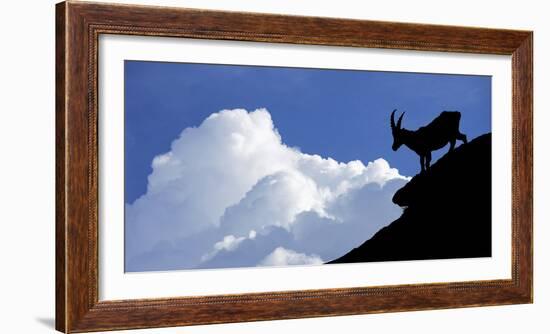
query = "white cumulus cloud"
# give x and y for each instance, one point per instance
(284, 257)
(230, 193)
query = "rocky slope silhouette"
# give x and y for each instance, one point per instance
(447, 212)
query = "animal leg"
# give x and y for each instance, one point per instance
(462, 137)
(428, 160)
(452, 145)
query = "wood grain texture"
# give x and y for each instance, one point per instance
(60, 181)
(78, 27)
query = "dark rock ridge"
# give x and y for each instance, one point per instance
(447, 212)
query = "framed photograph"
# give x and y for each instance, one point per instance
(223, 166)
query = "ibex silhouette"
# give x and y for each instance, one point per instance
(442, 130)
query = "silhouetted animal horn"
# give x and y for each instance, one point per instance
(399, 120)
(392, 121)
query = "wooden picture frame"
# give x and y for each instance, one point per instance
(78, 26)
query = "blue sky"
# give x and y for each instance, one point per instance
(340, 114)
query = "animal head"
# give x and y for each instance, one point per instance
(396, 131)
